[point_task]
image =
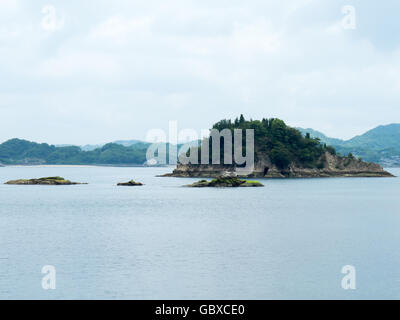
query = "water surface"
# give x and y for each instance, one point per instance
(288, 240)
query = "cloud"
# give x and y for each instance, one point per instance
(124, 67)
(256, 37)
(9, 5)
(79, 64)
(119, 29)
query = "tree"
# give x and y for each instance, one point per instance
(281, 143)
(280, 156)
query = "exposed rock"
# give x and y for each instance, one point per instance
(225, 182)
(229, 174)
(330, 166)
(130, 184)
(43, 181)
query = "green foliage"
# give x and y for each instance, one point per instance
(330, 149)
(282, 143)
(280, 156)
(220, 181)
(252, 181)
(17, 151)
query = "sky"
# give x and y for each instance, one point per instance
(94, 71)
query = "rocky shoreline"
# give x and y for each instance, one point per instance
(54, 181)
(225, 182)
(332, 166)
(130, 184)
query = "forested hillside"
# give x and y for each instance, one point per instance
(18, 151)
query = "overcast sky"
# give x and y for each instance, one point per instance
(95, 71)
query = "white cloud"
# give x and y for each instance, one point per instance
(8, 33)
(9, 5)
(255, 37)
(79, 64)
(119, 29)
(131, 63)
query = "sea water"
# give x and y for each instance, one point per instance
(289, 240)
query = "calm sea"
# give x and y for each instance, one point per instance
(288, 240)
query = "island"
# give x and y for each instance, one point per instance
(54, 181)
(225, 182)
(281, 151)
(130, 184)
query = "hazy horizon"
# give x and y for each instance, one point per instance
(94, 72)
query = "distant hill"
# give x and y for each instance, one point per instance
(17, 151)
(132, 152)
(91, 147)
(321, 136)
(380, 138)
(381, 144)
(128, 143)
(125, 143)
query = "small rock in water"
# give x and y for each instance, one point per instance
(226, 182)
(54, 181)
(130, 184)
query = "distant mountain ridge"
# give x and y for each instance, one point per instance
(17, 151)
(125, 143)
(321, 136)
(121, 153)
(381, 144)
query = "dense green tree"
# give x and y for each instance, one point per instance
(282, 143)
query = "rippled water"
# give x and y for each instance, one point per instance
(161, 241)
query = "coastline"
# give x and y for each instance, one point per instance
(297, 177)
(80, 166)
(331, 165)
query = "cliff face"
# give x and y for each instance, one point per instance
(332, 166)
